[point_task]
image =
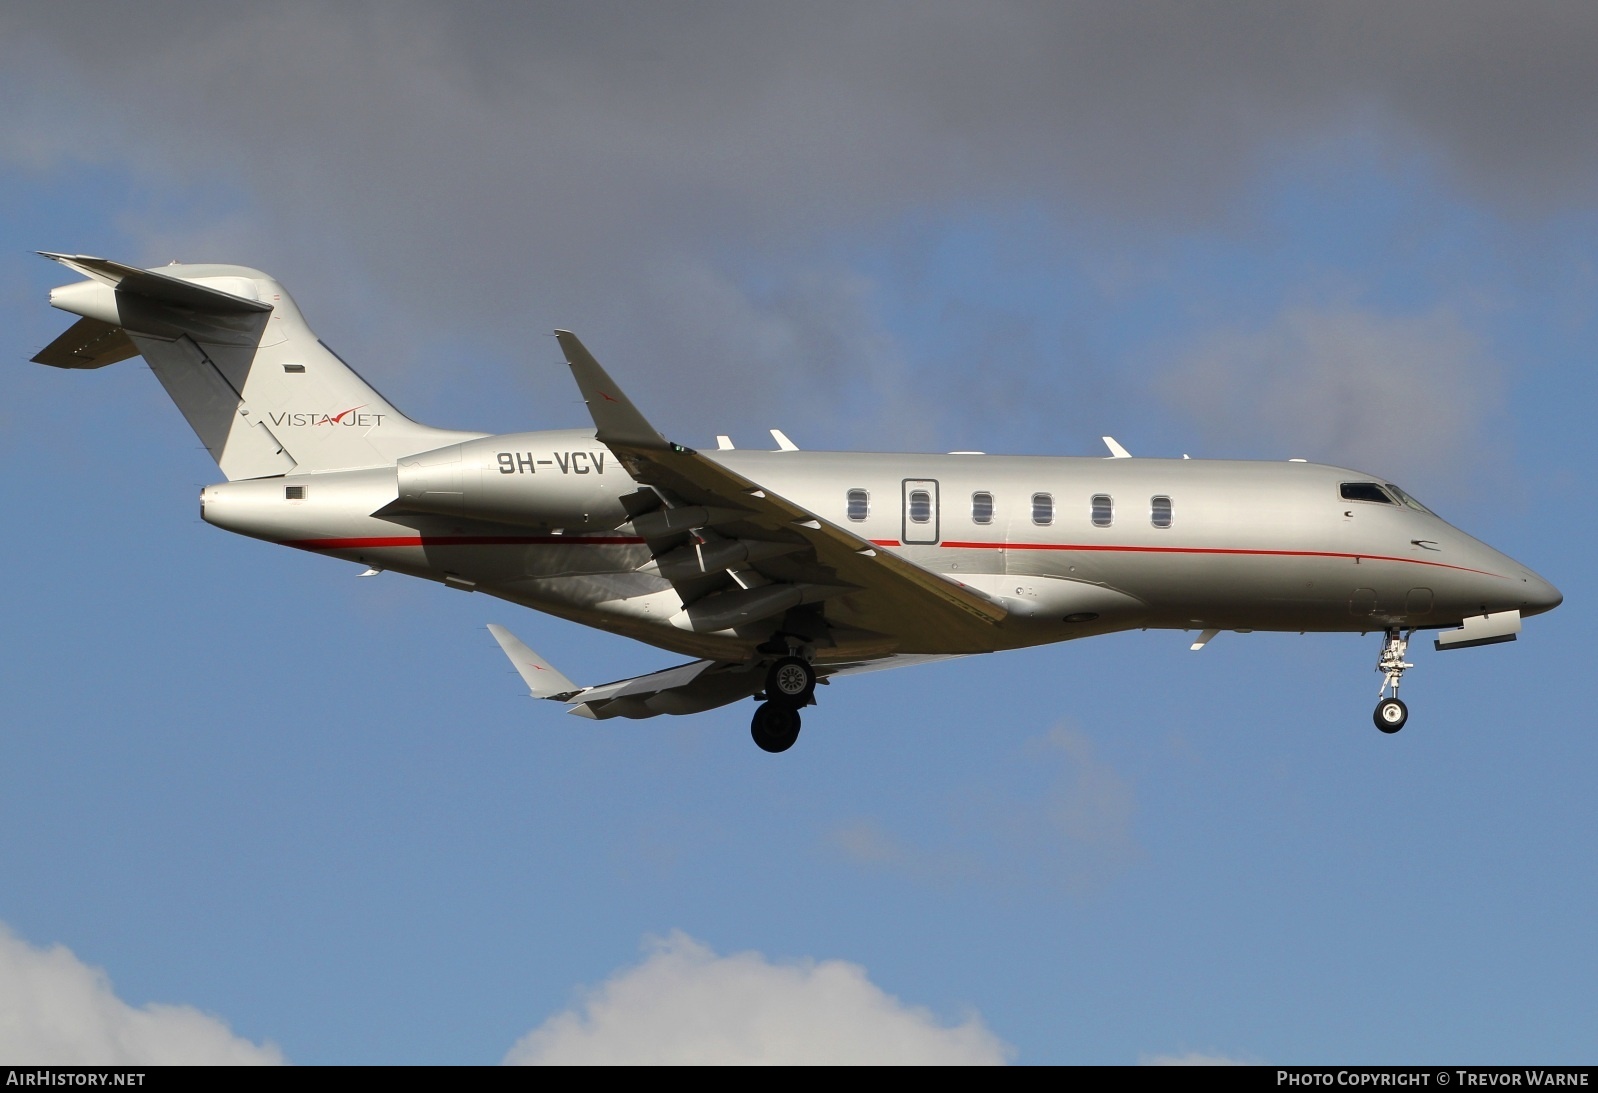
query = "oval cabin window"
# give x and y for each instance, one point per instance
(1103, 510)
(1042, 508)
(1160, 512)
(859, 505)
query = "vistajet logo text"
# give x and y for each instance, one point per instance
(345, 417)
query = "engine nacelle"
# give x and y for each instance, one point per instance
(561, 479)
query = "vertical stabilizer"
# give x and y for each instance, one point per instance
(229, 345)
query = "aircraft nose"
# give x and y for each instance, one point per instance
(1538, 595)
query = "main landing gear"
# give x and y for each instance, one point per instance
(790, 686)
(1390, 712)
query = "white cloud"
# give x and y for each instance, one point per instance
(56, 1010)
(685, 1005)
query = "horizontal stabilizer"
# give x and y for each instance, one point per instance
(88, 343)
(542, 679)
(157, 286)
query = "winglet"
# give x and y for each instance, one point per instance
(543, 681)
(615, 417)
(1116, 451)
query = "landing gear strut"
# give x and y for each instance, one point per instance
(1390, 712)
(790, 686)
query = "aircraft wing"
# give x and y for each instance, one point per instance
(875, 602)
(687, 688)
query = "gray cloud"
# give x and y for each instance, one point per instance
(764, 118)
(1390, 394)
(675, 175)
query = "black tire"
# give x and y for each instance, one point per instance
(1390, 715)
(791, 682)
(775, 727)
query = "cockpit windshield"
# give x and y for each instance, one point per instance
(1408, 500)
(1365, 491)
(1381, 494)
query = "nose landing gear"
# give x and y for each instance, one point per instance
(1390, 713)
(790, 686)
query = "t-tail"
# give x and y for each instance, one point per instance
(230, 347)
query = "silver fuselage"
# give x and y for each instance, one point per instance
(537, 519)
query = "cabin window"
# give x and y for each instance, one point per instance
(920, 507)
(982, 508)
(1365, 491)
(294, 493)
(294, 368)
(1160, 511)
(1043, 509)
(1103, 510)
(859, 505)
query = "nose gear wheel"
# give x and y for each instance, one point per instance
(1390, 713)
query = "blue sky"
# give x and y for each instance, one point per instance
(289, 814)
